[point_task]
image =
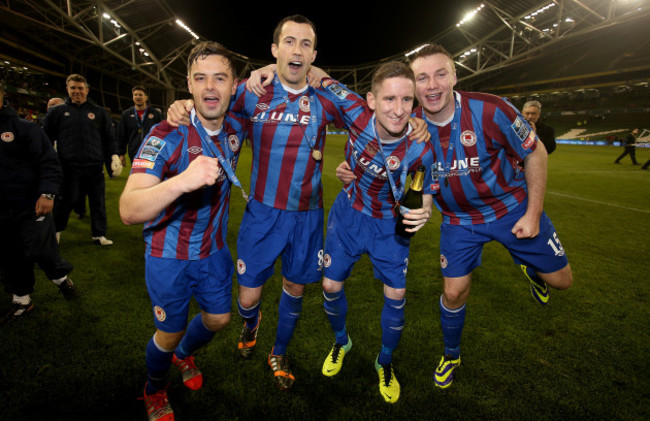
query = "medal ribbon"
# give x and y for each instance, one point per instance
(397, 193)
(205, 138)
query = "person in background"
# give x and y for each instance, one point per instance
(30, 176)
(135, 124)
(85, 140)
(630, 147)
(532, 111)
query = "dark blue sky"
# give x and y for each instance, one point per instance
(347, 34)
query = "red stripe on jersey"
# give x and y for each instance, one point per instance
(263, 161)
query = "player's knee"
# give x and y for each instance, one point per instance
(454, 297)
(216, 322)
(168, 341)
(561, 279)
(330, 286)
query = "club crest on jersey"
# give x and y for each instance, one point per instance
(521, 129)
(233, 142)
(7, 137)
(327, 261)
(159, 313)
(393, 162)
(468, 138)
(91, 116)
(150, 115)
(443, 261)
(195, 150)
(241, 267)
(303, 103)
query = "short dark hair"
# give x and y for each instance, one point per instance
(209, 48)
(292, 18)
(429, 50)
(75, 77)
(139, 88)
(389, 70)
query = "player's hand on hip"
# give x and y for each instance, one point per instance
(179, 112)
(420, 130)
(526, 227)
(203, 171)
(344, 173)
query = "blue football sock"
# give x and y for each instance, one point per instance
(195, 337)
(392, 324)
(452, 322)
(289, 312)
(336, 308)
(250, 315)
(158, 361)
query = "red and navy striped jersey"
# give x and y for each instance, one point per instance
(371, 192)
(476, 157)
(285, 128)
(193, 226)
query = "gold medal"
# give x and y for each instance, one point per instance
(317, 154)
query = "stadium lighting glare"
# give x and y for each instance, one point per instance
(469, 16)
(415, 50)
(569, 20)
(106, 15)
(539, 11)
(187, 28)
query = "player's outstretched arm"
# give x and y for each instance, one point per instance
(178, 114)
(145, 196)
(535, 173)
(416, 218)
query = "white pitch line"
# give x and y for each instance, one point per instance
(599, 202)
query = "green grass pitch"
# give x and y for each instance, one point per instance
(584, 356)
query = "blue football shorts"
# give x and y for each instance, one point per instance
(351, 233)
(266, 233)
(461, 246)
(172, 283)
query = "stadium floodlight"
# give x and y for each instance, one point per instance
(415, 50)
(469, 16)
(187, 28)
(106, 15)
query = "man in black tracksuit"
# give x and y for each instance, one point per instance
(85, 142)
(135, 124)
(630, 147)
(30, 176)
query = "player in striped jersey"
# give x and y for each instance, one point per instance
(179, 188)
(479, 140)
(363, 216)
(284, 217)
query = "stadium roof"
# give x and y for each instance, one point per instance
(144, 42)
